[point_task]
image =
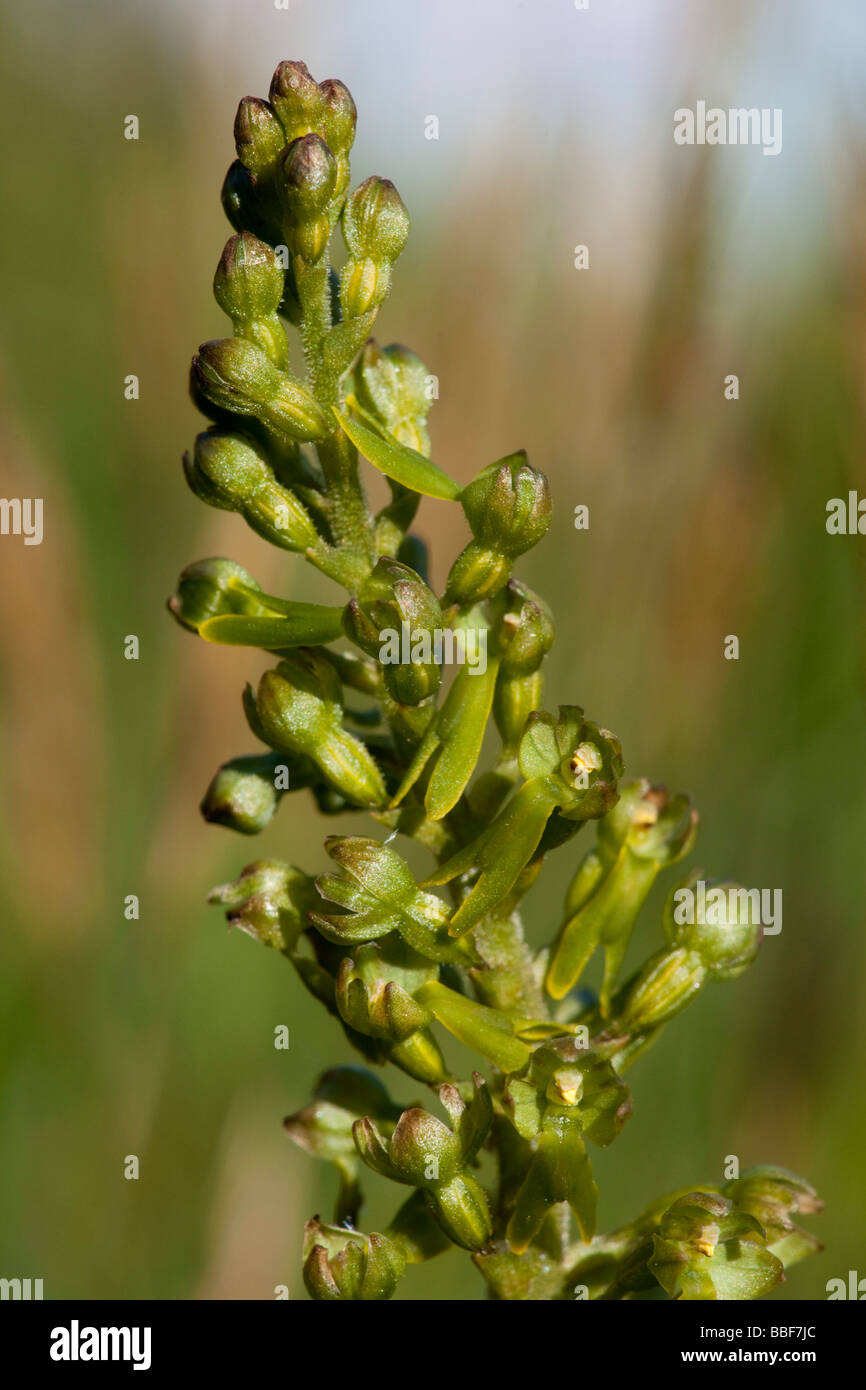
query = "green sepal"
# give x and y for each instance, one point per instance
(380, 896)
(489, 1031)
(306, 624)
(453, 741)
(560, 1171)
(501, 852)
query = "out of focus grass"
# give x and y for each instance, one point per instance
(154, 1037)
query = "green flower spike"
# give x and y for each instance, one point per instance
(390, 961)
(324, 1127)
(298, 709)
(394, 619)
(379, 896)
(508, 508)
(424, 1153)
(342, 1264)
(571, 766)
(648, 831)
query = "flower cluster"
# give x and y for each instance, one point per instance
(297, 396)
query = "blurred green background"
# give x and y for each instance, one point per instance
(155, 1037)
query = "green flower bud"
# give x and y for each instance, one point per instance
(524, 635)
(508, 508)
(269, 902)
(259, 137)
(508, 505)
(234, 375)
(309, 177)
(391, 385)
(342, 1264)
(243, 795)
(667, 982)
(210, 588)
(246, 205)
(248, 286)
(340, 115)
(297, 100)
(524, 629)
(394, 619)
(704, 1249)
(298, 709)
(229, 472)
(375, 229)
(716, 922)
(339, 122)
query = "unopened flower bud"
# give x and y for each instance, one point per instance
(340, 115)
(524, 635)
(235, 376)
(297, 99)
(245, 204)
(425, 1153)
(508, 509)
(718, 921)
(298, 708)
(374, 997)
(259, 137)
(339, 122)
(395, 618)
(342, 1095)
(391, 385)
(227, 471)
(375, 228)
(243, 795)
(248, 286)
(309, 176)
